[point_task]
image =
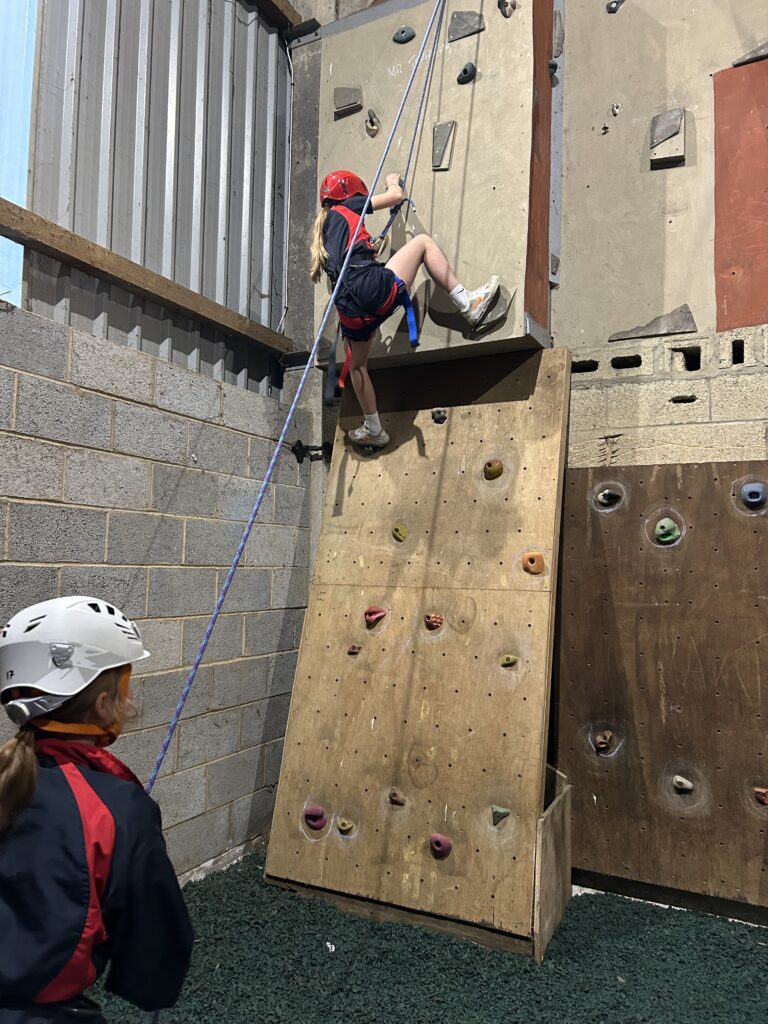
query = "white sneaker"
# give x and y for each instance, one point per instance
(361, 435)
(480, 301)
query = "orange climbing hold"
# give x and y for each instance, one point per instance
(533, 562)
(433, 621)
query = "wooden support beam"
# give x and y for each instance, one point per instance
(42, 235)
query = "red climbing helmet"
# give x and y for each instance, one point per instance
(340, 185)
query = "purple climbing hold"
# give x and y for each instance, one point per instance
(315, 818)
(440, 846)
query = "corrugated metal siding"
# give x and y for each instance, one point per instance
(162, 132)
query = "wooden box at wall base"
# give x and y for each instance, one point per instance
(414, 780)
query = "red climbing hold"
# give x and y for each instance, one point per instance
(433, 620)
(440, 846)
(315, 818)
(373, 615)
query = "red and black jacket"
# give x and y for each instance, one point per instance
(86, 885)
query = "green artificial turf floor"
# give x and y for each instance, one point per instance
(265, 956)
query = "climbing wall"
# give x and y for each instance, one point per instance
(481, 172)
(663, 658)
(406, 734)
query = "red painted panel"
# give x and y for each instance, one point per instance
(741, 196)
(537, 260)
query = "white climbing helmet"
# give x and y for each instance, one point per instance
(59, 647)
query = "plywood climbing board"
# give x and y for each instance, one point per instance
(663, 657)
(399, 733)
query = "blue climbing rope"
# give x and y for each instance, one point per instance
(422, 100)
(438, 9)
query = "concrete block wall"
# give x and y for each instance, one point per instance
(130, 478)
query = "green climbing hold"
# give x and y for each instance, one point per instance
(399, 532)
(345, 826)
(667, 531)
(499, 814)
(508, 660)
(404, 34)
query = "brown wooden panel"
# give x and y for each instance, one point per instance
(537, 260)
(431, 479)
(553, 866)
(668, 649)
(432, 713)
(741, 195)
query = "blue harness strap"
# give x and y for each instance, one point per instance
(404, 300)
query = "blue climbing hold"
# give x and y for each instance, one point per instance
(754, 496)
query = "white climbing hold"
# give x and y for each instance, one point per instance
(682, 785)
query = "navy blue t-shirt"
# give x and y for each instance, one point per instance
(367, 284)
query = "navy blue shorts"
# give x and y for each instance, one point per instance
(360, 328)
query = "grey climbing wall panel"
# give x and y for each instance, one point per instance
(480, 207)
(663, 656)
(452, 714)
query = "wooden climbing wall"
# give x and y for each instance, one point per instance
(667, 649)
(432, 713)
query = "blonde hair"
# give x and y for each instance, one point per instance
(18, 762)
(317, 251)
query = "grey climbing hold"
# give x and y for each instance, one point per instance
(613, 5)
(499, 814)
(759, 53)
(443, 135)
(554, 264)
(372, 124)
(754, 495)
(465, 23)
(507, 7)
(679, 321)
(346, 101)
(615, 109)
(682, 785)
(404, 34)
(667, 531)
(439, 415)
(667, 144)
(665, 126)
(467, 73)
(558, 35)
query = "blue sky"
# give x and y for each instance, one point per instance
(17, 55)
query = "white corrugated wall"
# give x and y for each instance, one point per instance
(160, 130)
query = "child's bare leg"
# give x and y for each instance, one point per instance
(423, 249)
(361, 382)
(371, 432)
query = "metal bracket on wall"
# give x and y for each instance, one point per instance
(443, 135)
(536, 331)
(465, 23)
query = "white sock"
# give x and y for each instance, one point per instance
(460, 297)
(372, 423)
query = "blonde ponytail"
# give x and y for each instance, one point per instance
(18, 775)
(318, 252)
